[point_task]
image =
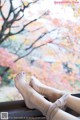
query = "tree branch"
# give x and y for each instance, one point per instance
(33, 48)
(26, 6)
(1, 10)
(20, 18)
(3, 3)
(26, 25)
(36, 29)
(8, 24)
(29, 52)
(41, 36)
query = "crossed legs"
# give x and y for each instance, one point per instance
(34, 99)
(53, 94)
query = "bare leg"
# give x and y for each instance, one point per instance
(35, 100)
(31, 97)
(61, 115)
(73, 103)
(53, 94)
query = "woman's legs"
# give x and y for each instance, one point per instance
(73, 103)
(35, 100)
(61, 115)
(54, 94)
(31, 97)
(51, 93)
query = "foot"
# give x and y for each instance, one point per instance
(20, 83)
(31, 97)
(51, 93)
(20, 78)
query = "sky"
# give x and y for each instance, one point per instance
(56, 10)
(60, 11)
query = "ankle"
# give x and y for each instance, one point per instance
(52, 111)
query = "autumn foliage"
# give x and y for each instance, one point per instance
(46, 45)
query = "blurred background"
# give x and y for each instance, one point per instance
(42, 38)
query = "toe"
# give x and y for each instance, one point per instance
(23, 74)
(33, 79)
(20, 75)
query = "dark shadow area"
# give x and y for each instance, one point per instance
(17, 109)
